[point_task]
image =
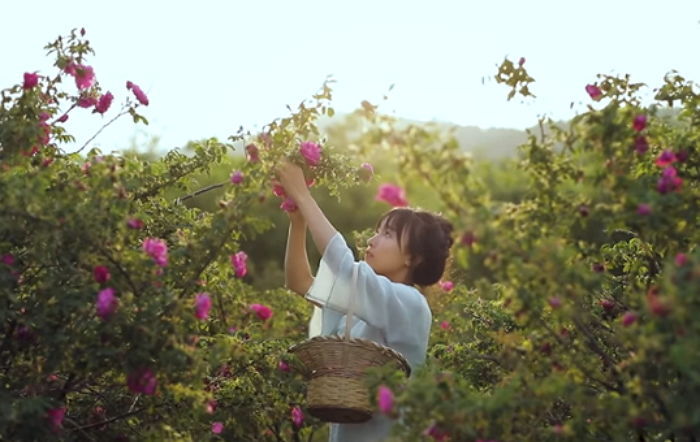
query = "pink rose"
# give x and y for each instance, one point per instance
(106, 303)
(311, 152)
(297, 417)
(55, 417)
(104, 103)
(84, 76)
(641, 146)
(666, 158)
(669, 181)
(288, 205)
(264, 312)
(138, 93)
(283, 366)
(101, 274)
(447, 286)
(628, 318)
(391, 194)
(237, 177)
(157, 249)
(594, 92)
(30, 80)
(639, 123)
(134, 223)
(445, 325)
(385, 399)
(7, 259)
(681, 259)
(217, 427)
(644, 209)
(202, 305)
(142, 381)
(239, 261)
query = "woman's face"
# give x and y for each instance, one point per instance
(385, 256)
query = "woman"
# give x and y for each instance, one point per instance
(409, 248)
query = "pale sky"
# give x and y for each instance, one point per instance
(209, 67)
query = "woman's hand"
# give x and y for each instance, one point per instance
(291, 177)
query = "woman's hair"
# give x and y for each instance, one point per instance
(429, 238)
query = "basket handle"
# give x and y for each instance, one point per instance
(351, 307)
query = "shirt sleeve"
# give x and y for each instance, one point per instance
(376, 299)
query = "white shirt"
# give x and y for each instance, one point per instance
(393, 314)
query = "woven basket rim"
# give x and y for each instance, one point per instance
(374, 346)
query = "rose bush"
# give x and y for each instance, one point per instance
(568, 311)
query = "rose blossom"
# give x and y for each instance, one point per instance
(262, 311)
(157, 249)
(392, 194)
(202, 306)
(106, 303)
(311, 152)
(239, 263)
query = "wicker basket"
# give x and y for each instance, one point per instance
(336, 366)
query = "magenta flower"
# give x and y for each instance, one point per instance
(239, 261)
(252, 153)
(521, 61)
(7, 259)
(138, 93)
(278, 190)
(264, 312)
(134, 223)
(55, 417)
(447, 286)
(297, 417)
(445, 325)
(607, 304)
(288, 205)
(283, 366)
(681, 259)
(436, 433)
(385, 399)
(30, 80)
(639, 123)
(217, 427)
(641, 146)
(628, 318)
(666, 158)
(63, 118)
(101, 274)
(157, 249)
(104, 103)
(237, 177)
(106, 303)
(669, 181)
(391, 194)
(84, 76)
(594, 92)
(202, 305)
(311, 152)
(644, 209)
(86, 101)
(142, 381)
